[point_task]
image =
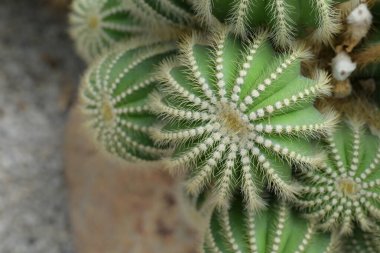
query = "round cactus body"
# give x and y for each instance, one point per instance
(361, 242)
(171, 14)
(115, 91)
(238, 114)
(346, 189)
(286, 19)
(95, 25)
(275, 230)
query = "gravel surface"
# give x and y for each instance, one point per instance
(38, 71)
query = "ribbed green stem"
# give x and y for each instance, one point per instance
(240, 114)
(347, 188)
(286, 19)
(277, 229)
(115, 93)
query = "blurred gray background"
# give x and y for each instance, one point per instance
(38, 74)
(57, 189)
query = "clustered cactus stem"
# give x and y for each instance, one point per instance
(270, 109)
(97, 25)
(345, 190)
(285, 17)
(240, 121)
(275, 230)
(115, 98)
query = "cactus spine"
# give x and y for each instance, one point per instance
(285, 18)
(171, 14)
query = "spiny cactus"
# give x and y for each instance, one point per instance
(275, 230)
(169, 13)
(96, 25)
(115, 92)
(361, 242)
(286, 18)
(238, 114)
(346, 189)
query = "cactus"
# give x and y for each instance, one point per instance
(277, 229)
(175, 14)
(368, 54)
(361, 241)
(286, 19)
(96, 25)
(115, 91)
(239, 114)
(233, 108)
(346, 189)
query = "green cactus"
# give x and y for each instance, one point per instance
(115, 91)
(238, 114)
(346, 189)
(287, 19)
(361, 242)
(275, 230)
(96, 25)
(175, 14)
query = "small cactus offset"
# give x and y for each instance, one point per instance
(346, 189)
(115, 94)
(239, 115)
(98, 24)
(275, 230)
(286, 19)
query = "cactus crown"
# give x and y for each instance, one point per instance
(238, 123)
(115, 91)
(96, 25)
(345, 190)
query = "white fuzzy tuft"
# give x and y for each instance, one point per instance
(342, 66)
(360, 15)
